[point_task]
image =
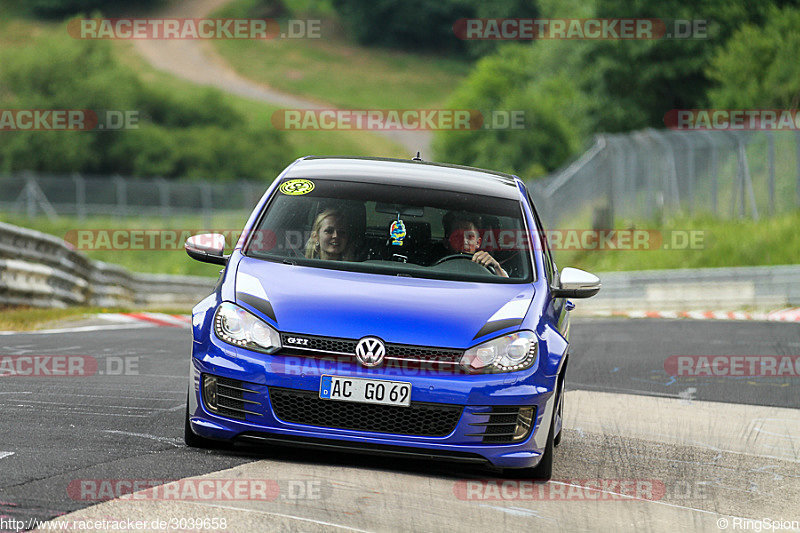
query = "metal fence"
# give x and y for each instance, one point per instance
(642, 175)
(651, 174)
(81, 196)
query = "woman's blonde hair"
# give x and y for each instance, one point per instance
(312, 245)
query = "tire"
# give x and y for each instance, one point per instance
(557, 439)
(192, 439)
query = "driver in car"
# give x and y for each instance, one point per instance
(462, 236)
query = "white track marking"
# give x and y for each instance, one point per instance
(174, 442)
(76, 406)
(783, 315)
(117, 317)
(79, 329)
(3, 455)
(519, 511)
(687, 395)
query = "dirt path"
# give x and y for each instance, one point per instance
(198, 62)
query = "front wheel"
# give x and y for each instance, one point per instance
(560, 415)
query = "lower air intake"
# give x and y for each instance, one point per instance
(420, 419)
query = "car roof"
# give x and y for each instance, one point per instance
(407, 173)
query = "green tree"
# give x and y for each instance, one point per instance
(572, 88)
(553, 107)
(637, 81)
(192, 135)
(424, 24)
(60, 8)
(759, 65)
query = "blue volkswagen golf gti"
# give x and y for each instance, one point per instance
(387, 306)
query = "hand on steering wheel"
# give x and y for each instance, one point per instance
(469, 257)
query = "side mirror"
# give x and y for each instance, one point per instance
(575, 283)
(207, 247)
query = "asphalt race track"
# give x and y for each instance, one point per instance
(692, 462)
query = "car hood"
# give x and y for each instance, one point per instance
(427, 312)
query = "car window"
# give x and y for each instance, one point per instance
(393, 230)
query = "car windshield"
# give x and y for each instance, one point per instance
(394, 230)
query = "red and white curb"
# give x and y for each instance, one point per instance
(783, 315)
(156, 319)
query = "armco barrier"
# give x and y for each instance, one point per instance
(759, 288)
(40, 270)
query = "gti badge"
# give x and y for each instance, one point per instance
(370, 351)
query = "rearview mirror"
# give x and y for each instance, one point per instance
(207, 247)
(397, 209)
(575, 283)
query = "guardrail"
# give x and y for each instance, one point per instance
(759, 288)
(40, 270)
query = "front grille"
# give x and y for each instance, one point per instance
(421, 419)
(319, 344)
(312, 345)
(423, 353)
(501, 424)
(229, 400)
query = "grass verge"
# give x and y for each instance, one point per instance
(332, 69)
(718, 243)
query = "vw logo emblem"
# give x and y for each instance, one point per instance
(370, 351)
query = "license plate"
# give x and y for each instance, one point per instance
(365, 390)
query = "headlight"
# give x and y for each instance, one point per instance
(236, 326)
(509, 353)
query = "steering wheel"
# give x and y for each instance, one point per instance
(462, 256)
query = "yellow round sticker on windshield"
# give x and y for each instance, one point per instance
(296, 187)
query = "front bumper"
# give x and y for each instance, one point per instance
(476, 394)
